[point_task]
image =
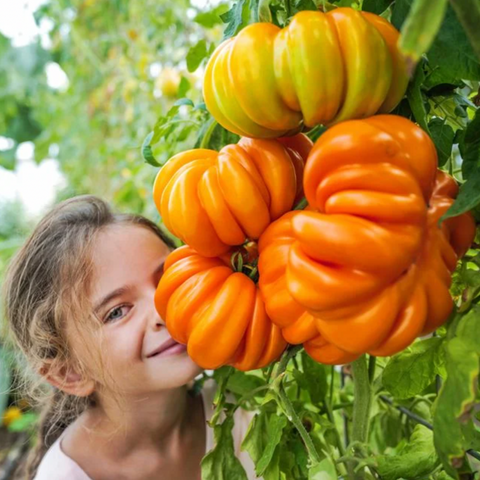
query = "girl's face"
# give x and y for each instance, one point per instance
(137, 350)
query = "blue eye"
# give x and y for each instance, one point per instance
(117, 313)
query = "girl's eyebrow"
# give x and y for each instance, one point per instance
(108, 298)
(121, 291)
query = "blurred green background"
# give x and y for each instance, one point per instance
(82, 83)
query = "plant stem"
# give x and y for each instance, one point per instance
(287, 406)
(372, 361)
(208, 134)
(293, 417)
(361, 404)
(468, 13)
(285, 358)
(329, 411)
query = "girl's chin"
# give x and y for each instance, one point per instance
(184, 371)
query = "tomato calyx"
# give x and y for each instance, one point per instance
(245, 259)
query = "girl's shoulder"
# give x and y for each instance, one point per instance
(242, 420)
(56, 465)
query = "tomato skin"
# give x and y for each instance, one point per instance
(367, 268)
(218, 313)
(213, 200)
(323, 68)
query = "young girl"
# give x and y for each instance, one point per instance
(79, 301)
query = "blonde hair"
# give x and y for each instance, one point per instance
(46, 283)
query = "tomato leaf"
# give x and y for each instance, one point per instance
(468, 197)
(408, 373)
(454, 407)
(147, 153)
(263, 436)
(242, 383)
(400, 12)
(412, 460)
(196, 55)
(211, 18)
(315, 375)
(451, 56)
(236, 18)
(220, 463)
(325, 470)
(184, 87)
(376, 6)
(452, 52)
(442, 135)
(301, 5)
(221, 137)
(420, 29)
(470, 147)
(416, 99)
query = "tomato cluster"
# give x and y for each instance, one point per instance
(366, 266)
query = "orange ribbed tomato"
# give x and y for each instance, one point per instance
(213, 200)
(323, 68)
(298, 325)
(368, 261)
(218, 313)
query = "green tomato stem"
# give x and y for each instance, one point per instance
(361, 404)
(208, 134)
(293, 417)
(372, 361)
(287, 406)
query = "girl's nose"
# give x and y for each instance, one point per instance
(156, 321)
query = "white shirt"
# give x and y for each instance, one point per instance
(56, 465)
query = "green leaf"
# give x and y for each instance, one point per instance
(221, 137)
(416, 99)
(264, 12)
(315, 379)
(275, 429)
(147, 153)
(420, 29)
(211, 18)
(442, 135)
(242, 383)
(470, 147)
(376, 6)
(302, 5)
(408, 373)
(196, 55)
(8, 158)
(451, 56)
(468, 14)
(468, 197)
(452, 52)
(454, 406)
(184, 101)
(262, 438)
(220, 463)
(221, 376)
(184, 87)
(325, 470)
(236, 18)
(415, 459)
(400, 12)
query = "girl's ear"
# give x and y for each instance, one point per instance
(68, 380)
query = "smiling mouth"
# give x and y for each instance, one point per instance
(170, 347)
